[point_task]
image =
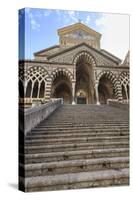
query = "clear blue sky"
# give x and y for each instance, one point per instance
(41, 26)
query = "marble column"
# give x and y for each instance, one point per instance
(126, 91)
(32, 90)
(38, 90)
(97, 95)
(25, 87)
(73, 93)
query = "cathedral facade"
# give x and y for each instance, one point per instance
(76, 69)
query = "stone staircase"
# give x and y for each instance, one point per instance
(78, 146)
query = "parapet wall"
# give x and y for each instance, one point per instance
(31, 117)
(118, 104)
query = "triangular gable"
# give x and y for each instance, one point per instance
(114, 60)
(78, 26)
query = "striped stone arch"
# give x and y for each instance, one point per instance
(61, 71)
(87, 56)
(112, 77)
(124, 78)
(108, 74)
(36, 73)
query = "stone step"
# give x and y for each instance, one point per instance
(74, 166)
(89, 111)
(73, 155)
(77, 139)
(74, 146)
(90, 117)
(85, 131)
(99, 120)
(82, 120)
(55, 131)
(94, 115)
(82, 125)
(79, 128)
(71, 135)
(47, 125)
(108, 122)
(77, 180)
(85, 125)
(88, 114)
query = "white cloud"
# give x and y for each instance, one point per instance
(28, 10)
(67, 17)
(35, 25)
(115, 33)
(102, 20)
(33, 21)
(39, 14)
(87, 19)
(72, 15)
(47, 12)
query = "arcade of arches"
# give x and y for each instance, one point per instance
(82, 89)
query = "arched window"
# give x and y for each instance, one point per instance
(28, 90)
(42, 90)
(35, 90)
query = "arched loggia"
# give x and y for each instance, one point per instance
(84, 90)
(62, 87)
(106, 89)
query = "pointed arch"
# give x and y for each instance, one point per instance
(108, 74)
(42, 90)
(124, 84)
(88, 57)
(61, 71)
(124, 78)
(36, 78)
(29, 88)
(62, 85)
(107, 85)
(35, 89)
(36, 73)
(84, 64)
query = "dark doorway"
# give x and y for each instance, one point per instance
(105, 89)
(81, 100)
(61, 88)
(84, 79)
